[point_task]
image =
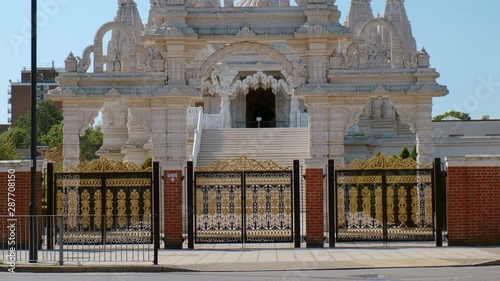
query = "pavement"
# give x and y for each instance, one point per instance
(282, 257)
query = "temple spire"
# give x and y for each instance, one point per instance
(359, 13)
(395, 12)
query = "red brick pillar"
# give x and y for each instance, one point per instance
(314, 204)
(15, 182)
(472, 196)
(172, 209)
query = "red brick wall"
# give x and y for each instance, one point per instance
(314, 208)
(22, 201)
(172, 218)
(473, 206)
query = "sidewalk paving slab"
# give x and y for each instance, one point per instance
(280, 259)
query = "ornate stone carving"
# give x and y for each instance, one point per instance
(246, 47)
(245, 32)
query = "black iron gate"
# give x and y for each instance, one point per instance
(244, 206)
(384, 205)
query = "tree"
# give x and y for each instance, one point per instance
(19, 136)
(54, 137)
(404, 154)
(413, 153)
(7, 148)
(457, 114)
(47, 116)
(91, 142)
(54, 140)
(147, 163)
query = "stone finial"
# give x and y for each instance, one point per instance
(71, 63)
(423, 59)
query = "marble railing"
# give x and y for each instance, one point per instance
(192, 116)
(213, 121)
(303, 120)
(197, 135)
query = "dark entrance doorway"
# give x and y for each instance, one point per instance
(261, 103)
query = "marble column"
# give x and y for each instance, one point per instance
(336, 134)
(71, 137)
(114, 129)
(159, 130)
(319, 110)
(225, 112)
(138, 136)
(416, 111)
(424, 131)
(77, 117)
(294, 113)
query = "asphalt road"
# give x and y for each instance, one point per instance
(491, 273)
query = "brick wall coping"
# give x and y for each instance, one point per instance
(473, 161)
(19, 166)
(314, 163)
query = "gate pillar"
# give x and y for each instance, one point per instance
(314, 203)
(172, 204)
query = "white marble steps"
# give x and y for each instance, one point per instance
(282, 145)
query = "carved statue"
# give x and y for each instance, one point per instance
(372, 53)
(115, 60)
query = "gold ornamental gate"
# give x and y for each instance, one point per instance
(105, 202)
(243, 200)
(384, 199)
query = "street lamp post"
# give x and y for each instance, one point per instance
(33, 237)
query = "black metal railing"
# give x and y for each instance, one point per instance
(132, 244)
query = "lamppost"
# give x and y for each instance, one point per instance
(33, 237)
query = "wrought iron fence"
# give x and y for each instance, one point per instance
(85, 245)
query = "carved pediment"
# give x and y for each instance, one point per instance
(380, 90)
(112, 93)
(426, 89)
(67, 92)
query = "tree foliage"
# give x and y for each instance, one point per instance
(453, 113)
(404, 154)
(47, 116)
(413, 153)
(91, 142)
(7, 148)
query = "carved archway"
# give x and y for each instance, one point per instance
(261, 49)
(98, 45)
(261, 80)
(385, 24)
(395, 41)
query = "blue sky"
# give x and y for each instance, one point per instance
(462, 37)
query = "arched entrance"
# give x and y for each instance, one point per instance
(261, 103)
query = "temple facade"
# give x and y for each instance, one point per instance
(196, 64)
